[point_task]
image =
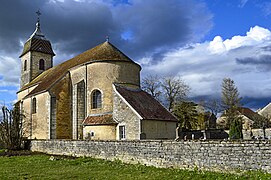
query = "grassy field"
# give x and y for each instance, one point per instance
(41, 167)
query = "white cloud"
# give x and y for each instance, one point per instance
(9, 71)
(245, 59)
(217, 46)
(256, 35)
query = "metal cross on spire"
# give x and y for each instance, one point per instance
(107, 38)
(37, 33)
(38, 13)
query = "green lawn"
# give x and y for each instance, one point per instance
(40, 167)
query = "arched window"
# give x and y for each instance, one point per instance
(34, 105)
(41, 65)
(25, 65)
(96, 101)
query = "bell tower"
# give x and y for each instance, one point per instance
(37, 55)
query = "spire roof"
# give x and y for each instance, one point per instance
(37, 33)
(37, 41)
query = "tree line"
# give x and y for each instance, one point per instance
(173, 92)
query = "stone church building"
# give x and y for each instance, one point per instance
(95, 95)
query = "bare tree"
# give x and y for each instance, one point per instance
(175, 89)
(152, 85)
(213, 105)
(11, 130)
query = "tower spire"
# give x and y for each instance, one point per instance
(37, 33)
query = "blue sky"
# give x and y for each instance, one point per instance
(203, 41)
(235, 17)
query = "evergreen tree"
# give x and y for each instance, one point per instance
(231, 102)
(187, 115)
(236, 129)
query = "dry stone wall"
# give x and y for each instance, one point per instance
(209, 155)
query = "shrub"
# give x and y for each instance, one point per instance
(11, 133)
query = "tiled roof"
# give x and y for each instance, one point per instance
(266, 110)
(39, 45)
(105, 119)
(144, 104)
(248, 113)
(103, 52)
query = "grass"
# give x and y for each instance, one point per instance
(2, 150)
(40, 167)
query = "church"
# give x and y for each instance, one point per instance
(95, 95)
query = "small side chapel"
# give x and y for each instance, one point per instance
(95, 95)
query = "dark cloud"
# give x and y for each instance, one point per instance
(154, 27)
(255, 103)
(157, 26)
(16, 19)
(250, 102)
(262, 63)
(73, 27)
(266, 48)
(76, 27)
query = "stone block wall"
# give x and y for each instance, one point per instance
(125, 116)
(209, 155)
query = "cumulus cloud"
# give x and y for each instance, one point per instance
(245, 59)
(254, 36)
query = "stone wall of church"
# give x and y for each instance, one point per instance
(36, 56)
(210, 155)
(100, 132)
(62, 92)
(78, 74)
(158, 129)
(125, 116)
(41, 119)
(25, 74)
(101, 76)
(26, 111)
(32, 65)
(24, 93)
(36, 125)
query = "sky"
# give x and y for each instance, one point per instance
(202, 41)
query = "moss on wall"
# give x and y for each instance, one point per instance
(62, 91)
